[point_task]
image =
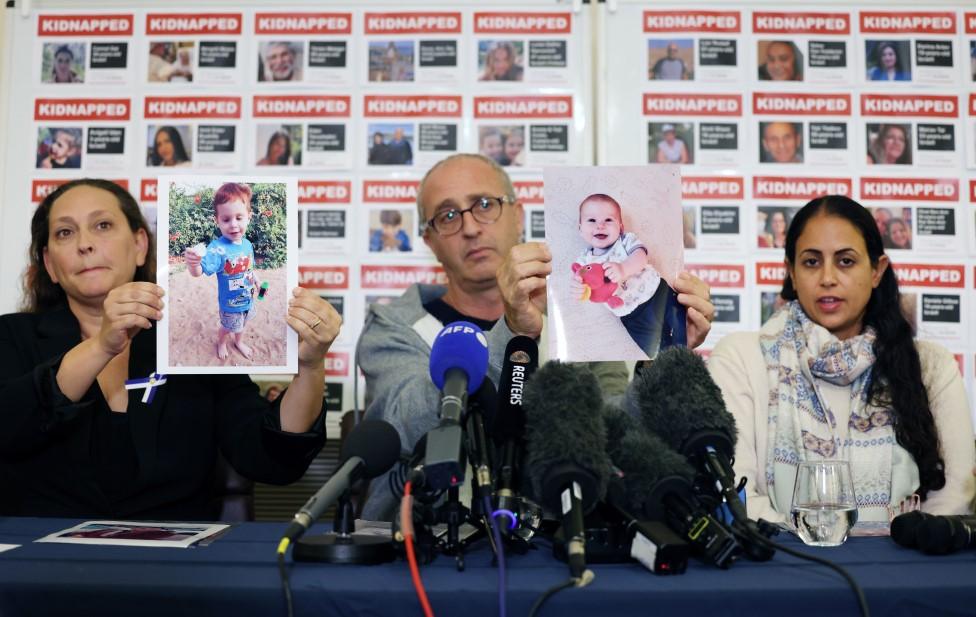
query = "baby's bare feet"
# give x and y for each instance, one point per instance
(243, 348)
(222, 352)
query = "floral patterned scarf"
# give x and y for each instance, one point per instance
(800, 355)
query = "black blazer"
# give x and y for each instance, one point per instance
(48, 444)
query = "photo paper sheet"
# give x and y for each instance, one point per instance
(227, 260)
(125, 533)
(616, 239)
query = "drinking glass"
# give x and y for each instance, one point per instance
(824, 508)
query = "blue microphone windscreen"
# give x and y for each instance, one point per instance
(460, 345)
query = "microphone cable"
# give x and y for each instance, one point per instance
(862, 602)
(499, 552)
(582, 581)
(283, 574)
(406, 527)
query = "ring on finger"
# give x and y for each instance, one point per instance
(317, 322)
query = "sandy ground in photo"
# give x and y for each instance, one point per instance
(194, 322)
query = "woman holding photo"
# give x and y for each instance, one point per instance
(90, 428)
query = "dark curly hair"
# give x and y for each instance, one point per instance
(896, 377)
(40, 292)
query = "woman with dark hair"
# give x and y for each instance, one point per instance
(888, 65)
(83, 355)
(278, 151)
(168, 149)
(890, 146)
(836, 375)
(61, 71)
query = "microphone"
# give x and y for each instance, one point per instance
(482, 407)
(567, 462)
(520, 362)
(656, 485)
(458, 363)
(680, 403)
(904, 528)
(941, 535)
(370, 449)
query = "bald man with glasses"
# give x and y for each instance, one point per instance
(473, 225)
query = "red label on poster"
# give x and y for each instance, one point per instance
(309, 106)
(801, 104)
(910, 189)
(42, 188)
(800, 23)
(303, 23)
(193, 23)
(192, 107)
(523, 107)
(324, 191)
(81, 109)
(400, 277)
(935, 106)
(522, 23)
(693, 104)
(147, 189)
(779, 187)
(929, 275)
(84, 25)
(444, 106)
(337, 364)
(413, 23)
(877, 22)
(323, 277)
(770, 272)
(712, 187)
(719, 275)
(529, 192)
(390, 191)
(692, 21)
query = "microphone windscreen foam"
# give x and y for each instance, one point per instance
(566, 439)
(374, 441)
(904, 528)
(459, 345)
(651, 470)
(679, 402)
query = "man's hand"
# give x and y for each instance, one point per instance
(522, 281)
(694, 294)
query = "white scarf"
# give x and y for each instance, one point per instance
(799, 354)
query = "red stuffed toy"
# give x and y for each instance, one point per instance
(598, 288)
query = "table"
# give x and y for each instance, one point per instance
(237, 576)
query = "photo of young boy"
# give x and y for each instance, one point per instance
(58, 148)
(227, 273)
(617, 240)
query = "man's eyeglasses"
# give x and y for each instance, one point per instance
(485, 210)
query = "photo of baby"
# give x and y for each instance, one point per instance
(227, 274)
(616, 237)
(58, 148)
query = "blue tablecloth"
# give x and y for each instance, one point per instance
(237, 575)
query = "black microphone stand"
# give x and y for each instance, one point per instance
(343, 545)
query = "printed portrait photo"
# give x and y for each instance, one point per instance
(63, 63)
(171, 61)
(616, 239)
(229, 255)
(779, 61)
(390, 143)
(895, 226)
(169, 145)
(771, 224)
(670, 59)
(671, 143)
(503, 144)
(889, 144)
(278, 144)
(888, 60)
(59, 147)
(391, 60)
(501, 60)
(389, 230)
(780, 142)
(281, 60)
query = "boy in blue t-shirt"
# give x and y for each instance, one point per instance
(231, 258)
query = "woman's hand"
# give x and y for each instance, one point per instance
(126, 310)
(316, 323)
